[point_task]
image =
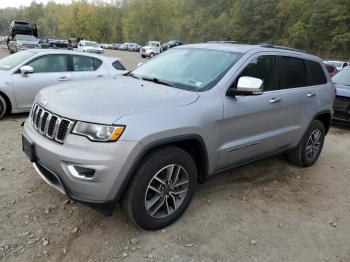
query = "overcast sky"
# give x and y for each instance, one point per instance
(18, 3)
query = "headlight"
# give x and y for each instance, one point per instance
(98, 133)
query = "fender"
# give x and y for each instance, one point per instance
(154, 145)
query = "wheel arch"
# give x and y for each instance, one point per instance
(192, 144)
(325, 117)
(8, 102)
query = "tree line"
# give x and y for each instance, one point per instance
(317, 26)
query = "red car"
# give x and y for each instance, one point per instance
(332, 70)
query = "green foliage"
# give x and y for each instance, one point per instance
(318, 26)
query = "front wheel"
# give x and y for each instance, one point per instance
(161, 189)
(3, 107)
(310, 146)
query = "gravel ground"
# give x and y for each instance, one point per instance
(266, 211)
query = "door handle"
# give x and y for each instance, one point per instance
(100, 76)
(275, 100)
(311, 94)
(63, 78)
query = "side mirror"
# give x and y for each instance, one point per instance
(246, 86)
(26, 70)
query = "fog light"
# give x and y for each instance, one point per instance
(81, 172)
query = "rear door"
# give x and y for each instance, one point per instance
(48, 70)
(300, 100)
(87, 67)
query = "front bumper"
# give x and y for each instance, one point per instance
(111, 162)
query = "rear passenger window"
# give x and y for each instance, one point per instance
(291, 73)
(264, 68)
(85, 63)
(315, 73)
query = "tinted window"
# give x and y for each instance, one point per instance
(291, 72)
(50, 64)
(264, 68)
(117, 65)
(85, 63)
(97, 63)
(315, 73)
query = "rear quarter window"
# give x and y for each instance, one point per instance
(117, 65)
(315, 73)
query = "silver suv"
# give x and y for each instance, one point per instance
(148, 137)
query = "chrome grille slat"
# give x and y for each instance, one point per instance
(50, 125)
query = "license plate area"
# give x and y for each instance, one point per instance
(29, 149)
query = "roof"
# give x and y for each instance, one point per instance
(69, 52)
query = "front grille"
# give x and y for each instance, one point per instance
(50, 125)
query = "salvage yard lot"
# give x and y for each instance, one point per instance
(266, 211)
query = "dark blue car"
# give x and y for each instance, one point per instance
(342, 101)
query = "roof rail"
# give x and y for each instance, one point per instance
(223, 42)
(281, 47)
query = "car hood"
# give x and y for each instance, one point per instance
(26, 42)
(105, 101)
(343, 90)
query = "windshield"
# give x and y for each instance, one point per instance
(25, 38)
(11, 61)
(93, 44)
(191, 69)
(342, 78)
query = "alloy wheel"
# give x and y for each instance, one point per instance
(166, 191)
(313, 144)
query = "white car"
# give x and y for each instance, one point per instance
(151, 49)
(90, 47)
(24, 74)
(338, 64)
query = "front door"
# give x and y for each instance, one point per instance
(251, 123)
(48, 70)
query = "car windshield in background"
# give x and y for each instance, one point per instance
(11, 61)
(342, 78)
(25, 38)
(188, 68)
(93, 44)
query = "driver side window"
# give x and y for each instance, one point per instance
(264, 68)
(50, 64)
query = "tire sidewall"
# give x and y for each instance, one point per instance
(144, 176)
(3, 107)
(314, 126)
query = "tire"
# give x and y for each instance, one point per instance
(151, 55)
(307, 153)
(3, 107)
(143, 56)
(163, 209)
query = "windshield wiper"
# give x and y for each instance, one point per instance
(158, 81)
(133, 75)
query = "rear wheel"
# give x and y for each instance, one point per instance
(162, 188)
(3, 107)
(310, 146)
